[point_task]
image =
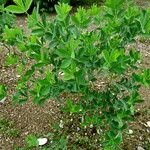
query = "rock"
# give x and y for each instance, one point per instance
(3, 100)
(140, 148)
(148, 123)
(42, 141)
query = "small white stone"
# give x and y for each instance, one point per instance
(148, 123)
(141, 138)
(42, 141)
(91, 126)
(140, 148)
(3, 100)
(61, 124)
(18, 76)
(98, 131)
(130, 131)
(148, 130)
(78, 129)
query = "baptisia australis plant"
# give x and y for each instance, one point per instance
(84, 54)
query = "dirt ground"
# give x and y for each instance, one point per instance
(32, 119)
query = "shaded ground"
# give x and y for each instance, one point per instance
(32, 119)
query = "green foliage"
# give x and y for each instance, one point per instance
(72, 108)
(31, 141)
(3, 92)
(5, 19)
(11, 60)
(7, 128)
(11, 34)
(2, 2)
(85, 2)
(46, 5)
(70, 59)
(21, 6)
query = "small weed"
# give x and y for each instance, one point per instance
(7, 128)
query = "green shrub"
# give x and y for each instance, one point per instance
(92, 65)
(45, 4)
(3, 2)
(5, 19)
(84, 2)
(48, 5)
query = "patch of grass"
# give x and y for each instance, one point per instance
(7, 128)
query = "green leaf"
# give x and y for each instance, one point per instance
(81, 18)
(2, 2)
(20, 69)
(115, 54)
(114, 4)
(66, 63)
(62, 11)
(38, 32)
(63, 53)
(72, 108)
(2, 92)
(68, 75)
(33, 18)
(20, 7)
(106, 56)
(32, 141)
(11, 60)
(19, 3)
(15, 9)
(28, 75)
(28, 4)
(118, 139)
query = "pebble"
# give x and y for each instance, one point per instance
(140, 148)
(42, 141)
(130, 131)
(61, 124)
(141, 138)
(91, 126)
(26, 133)
(18, 76)
(3, 100)
(78, 129)
(148, 123)
(148, 129)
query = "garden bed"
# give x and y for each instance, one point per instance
(16, 122)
